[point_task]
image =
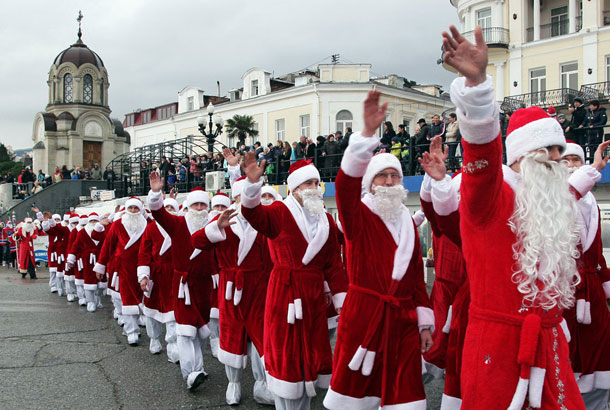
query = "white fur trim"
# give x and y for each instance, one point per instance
(301, 175)
(357, 359)
(237, 188)
(251, 194)
(79, 282)
(450, 403)
(534, 135)
(597, 380)
(237, 296)
(519, 395)
(574, 149)
(155, 200)
(358, 155)
(419, 217)
(102, 285)
(195, 253)
(425, 318)
(316, 243)
(229, 290)
(171, 202)
(580, 310)
(221, 200)
(426, 187)
(186, 330)
(414, 405)
(237, 361)
(99, 268)
(196, 196)
(447, 326)
(535, 386)
(606, 286)
(130, 310)
(290, 316)
(266, 189)
(298, 309)
(444, 197)
(89, 286)
(214, 313)
(587, 318)
(214, 233)
(338, 401)
(338, 299)
(284, 389)
(584, 178)
(134, 202)
(566, 330)
(162, 317)
(143, 272)
(71, 258)
(377, 164)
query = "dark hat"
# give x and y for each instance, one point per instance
(421, 120)
(578, 99)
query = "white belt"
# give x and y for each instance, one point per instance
(115, 281)
(92, 259)
(80, 264)
(183, 292)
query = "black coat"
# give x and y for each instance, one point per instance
(578, 116)
(596, 118)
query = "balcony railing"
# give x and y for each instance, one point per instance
(555, 29)
(493, 36)
(595, 91)
(557, 97)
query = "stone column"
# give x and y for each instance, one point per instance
(536, 20)
(500, 80)
(572, 16)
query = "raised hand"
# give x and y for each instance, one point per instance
(104, 221)
(599, 161)
(252, 169)
(224, 220)
(117, 208)
(34, 209)
(232, 160)
(173, 193)
(156, 182)
(46, 215)
(468, 59)
(374, 115)
(433, 162)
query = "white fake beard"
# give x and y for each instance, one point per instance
(312, 200)
(91, 224)
(547, 231)
(267, 201)
(213, 214)
(388, 201)
(197, 219)
(237, 206)
(133, 223)
(571, 170)
(28, 228)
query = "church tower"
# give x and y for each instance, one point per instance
(76, 129)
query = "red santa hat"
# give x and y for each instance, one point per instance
(28, 220)
(221, 199)
(56, 216)
(270, 190)
(301, 171)
(378, 163)
(574, 149)
(552, 111)
(93, 217)
(134, 201)
(197, 194)
(530, 129)
(171, 202)
(67, 216)
(238, 186)
(73, 218)
(83, 219)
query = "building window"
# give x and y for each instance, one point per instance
(484, 18)
(538, 85)
(68, 88)
(280, 129)
(607, 68)
(254, 88)
(102, 93)
(87, 89)
(344, 119)
(569, 75)
(230, 141)
(190, 104)
(304, 126)
(559, 21)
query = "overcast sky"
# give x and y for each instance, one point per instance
(152, 49)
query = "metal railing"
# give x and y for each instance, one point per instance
(550, 30)
(498, 36)
(556, 97)
(595, 91)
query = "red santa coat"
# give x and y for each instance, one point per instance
(245, 264)
(590, 344)
(377, 354)
(77, 270)
(70, 273)
(84, 254)
(297, 350)
(507, 346)
(193, 270)
(58, 240)
(155, 263)
(118, 244)
(26, 248)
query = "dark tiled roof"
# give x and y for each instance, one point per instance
(78, 54)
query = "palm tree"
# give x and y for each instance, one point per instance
(241, 126)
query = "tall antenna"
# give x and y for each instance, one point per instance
(335, 58)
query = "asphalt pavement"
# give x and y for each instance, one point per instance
(56, 355)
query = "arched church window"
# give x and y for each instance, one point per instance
(88, 89)
(344, 119)
(102, 93)
(68, 88)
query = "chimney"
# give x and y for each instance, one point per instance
(218, 85)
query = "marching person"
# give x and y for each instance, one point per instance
(70, 271)
(193, 269)
(304, 251)
(58, 233)
(156, 278)
(25, 236)
(386, 320)
(515, 351)
(74, 260)
(122, 242)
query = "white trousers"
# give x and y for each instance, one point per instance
(118, 305)
(260, 392)
(60, 284)
(214, 327)
(52, 277)
(304, 403)
(172, 342)
(131, 324)
(80, 292)
(596, 399)
(233, 394)
(70, 287)
(91, 299)
(190, 351)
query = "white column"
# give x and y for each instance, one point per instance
(536, 20)
(572, 16)
(500, 94)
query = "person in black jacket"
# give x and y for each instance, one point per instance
(388, 134)
(595, 120)
(422, 137)
(437, 128)
(579, 113)
(403, 134)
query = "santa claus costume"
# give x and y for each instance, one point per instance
(589, 319)
(57, 230)
(75, 260)
(193, 270)
(515, 351)
(84, 253)
(155, 264)
(244, 260)
(122, 242)
(304, 250)
(112, 273)
(377, 359)
(25, 236)
(70, 271)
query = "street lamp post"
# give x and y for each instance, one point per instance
(214, 119)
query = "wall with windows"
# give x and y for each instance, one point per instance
(190, 99)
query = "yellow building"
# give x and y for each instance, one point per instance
(543, 52)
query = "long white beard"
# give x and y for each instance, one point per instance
(197, 219)
(312, 200)
(266, 201)
(133, 223)
(28, 228)
(547, 231)
(388, 201)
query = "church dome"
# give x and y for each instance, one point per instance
(78, 54)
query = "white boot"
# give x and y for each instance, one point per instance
(132, 339)
(141, 321)
(233, 394)
(260, 392)
(214, 345)
(98, 298)
(195, 379)
(155, 346)
(90, 299)
(70, 297)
